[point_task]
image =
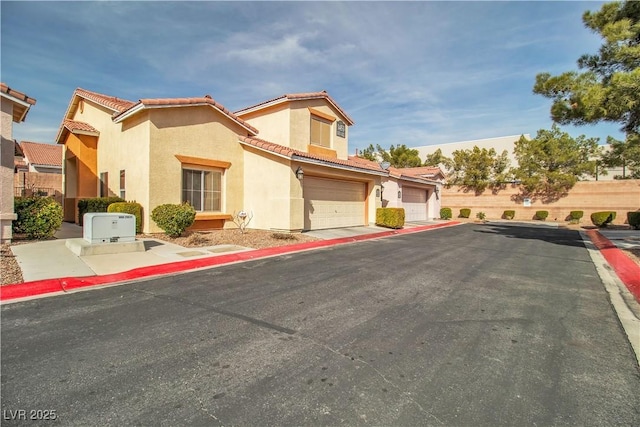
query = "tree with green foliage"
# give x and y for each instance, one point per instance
(608, 87)
(436, 159)
(550, 164)
(478, 169)
(401, 156)
(369, 153)
(624, 154)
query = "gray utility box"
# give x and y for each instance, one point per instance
(103, 227)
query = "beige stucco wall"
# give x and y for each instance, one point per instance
(588, 196)
(197, 132)
(274, 194)
(6, 170)
(121, 147)
(289, 124)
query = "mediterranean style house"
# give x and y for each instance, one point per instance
(284, 161)
(15, 106)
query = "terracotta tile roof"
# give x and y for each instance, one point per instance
(301, 155)
(73, 125)
(42, 154)
(181, 102)
(422, 171)
(297, 97)
(111, 102)
(21, 96)
(19, 100)
(414, 174)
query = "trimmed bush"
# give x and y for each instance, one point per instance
(576, 216)
(465, 213)
(446, 213)
(38, 217)
(174, 219)
(508, 214)
(602, 219)
(633, 218)
(390, 217)
(129, 208)
(95, 204)
(542, 215)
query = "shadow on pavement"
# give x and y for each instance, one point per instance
(558, 236)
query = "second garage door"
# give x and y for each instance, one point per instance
(331, 203)
(414, 202)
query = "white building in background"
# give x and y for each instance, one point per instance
(500, 144)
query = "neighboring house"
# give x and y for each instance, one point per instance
(19, 165)
(416, 190)
(504, 143)
(15, 106)
(296, 176)
(42, 158)
(38, 170)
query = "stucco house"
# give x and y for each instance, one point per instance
(15, 106)
(41, 158)
(283, 161)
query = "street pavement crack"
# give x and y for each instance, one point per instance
(377, 372)
(195, 393)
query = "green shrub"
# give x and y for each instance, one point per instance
(465, 213)
(38, 217)
(481, 216)
(446, 213)
(390, 217)
(633, 218)
(95, 204)
(602, 219)
(508, 214)
(129, 208)
(542, 215)
(576, 216)
(174, 219)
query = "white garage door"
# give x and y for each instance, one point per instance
(330, 203)
(414, 202)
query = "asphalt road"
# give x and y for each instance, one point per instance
(479, 325)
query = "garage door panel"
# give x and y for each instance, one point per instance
(414, 202)
(333, 203)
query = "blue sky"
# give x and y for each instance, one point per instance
(413, 73)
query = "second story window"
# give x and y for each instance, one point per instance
(320, 132)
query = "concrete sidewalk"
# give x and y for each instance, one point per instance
(52, 259)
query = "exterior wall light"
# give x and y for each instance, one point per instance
(437, 192)
(299, 173)
(399, 194)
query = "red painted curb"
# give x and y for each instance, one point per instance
(627, 270)
(61, 285)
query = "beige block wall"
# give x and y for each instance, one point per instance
(588, 196)
(197, 132)
(52, 182)
(6, 170)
